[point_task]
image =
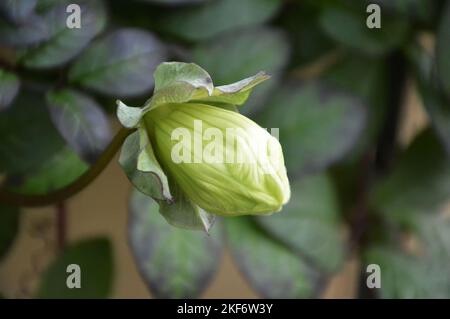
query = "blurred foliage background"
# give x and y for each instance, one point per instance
(339, 94)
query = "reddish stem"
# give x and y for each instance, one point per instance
(61, 225)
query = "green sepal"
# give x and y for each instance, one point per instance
(183, 213)
(151, 183)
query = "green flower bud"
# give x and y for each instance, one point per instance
(224, 162)
(196, 155)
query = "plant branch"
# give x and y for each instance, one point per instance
(59, 195)
(61, 225)
(359, 222)
(378, 163)
(386, 147)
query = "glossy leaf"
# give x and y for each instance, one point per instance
(433, 98)
(65, 43)
(174, 2)
(17, 10)
(33, 31)
(45, 5)
(95, 258)
(55, 173)
(231, 58)
(9, 87)
(27, 135)
(272, 269)
(300, 20)
(422, 275)
(317, 125)
(174, 263)
(418, 9)
(81, 122)
(119, 64)
(419, 184)
(365, 78)
(434, 230)
(9, 227)
(402, 275)
(349, 28)
(309, 223)
(213, 17)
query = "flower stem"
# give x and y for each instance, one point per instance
(61, 225)
(59, 195)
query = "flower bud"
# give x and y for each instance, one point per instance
(224, 162)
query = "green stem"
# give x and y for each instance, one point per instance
(61, 225)
(59, 195)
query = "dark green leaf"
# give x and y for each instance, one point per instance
(423, 275)
(443, 51)
(95, 258)
(349, 28)
(433, 98)
(309, 42)
(309, 223)
(65, 43)
(27, 135)
(434, 231)
(32, 31)
(231, 58)
(9, 86)
(419, 184)
(17, 10)
(120, 64)
(420, 9)
(58, 171)
(174, 2)
(366, 78)
(272, 269)
(402, 276)
(9, 227)
(81, 122)
(45, 5)
(317, 125)
(213, 17)
(175, 263)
